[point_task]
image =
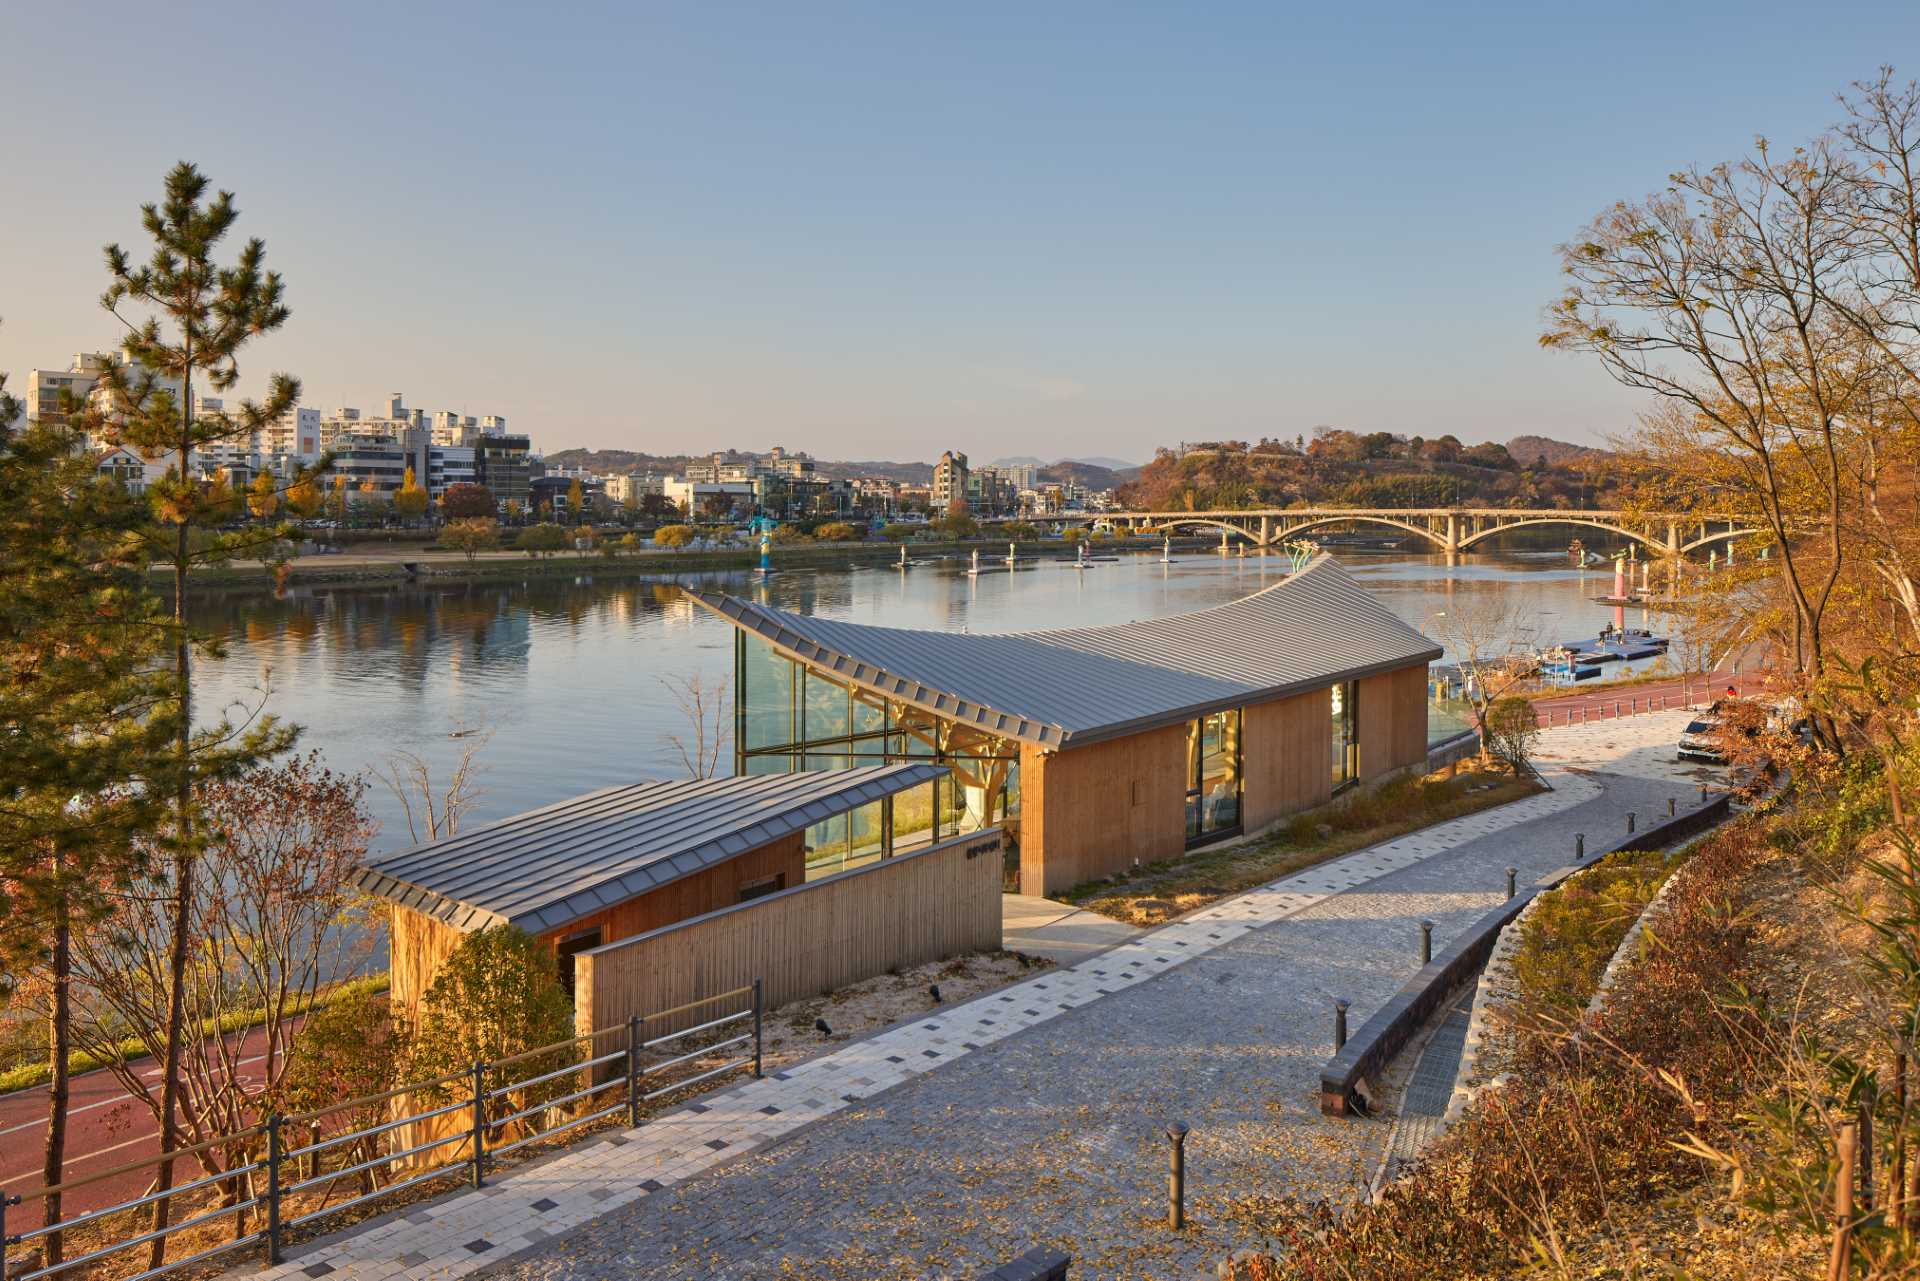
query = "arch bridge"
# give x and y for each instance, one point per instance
(1447, 529)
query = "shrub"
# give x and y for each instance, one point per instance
(541, 540)
(1573, 931)
(897, 532)
(837, 531)
(1512, 730)
(496, 996)
(673, 535)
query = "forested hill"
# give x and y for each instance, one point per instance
(1379, 470)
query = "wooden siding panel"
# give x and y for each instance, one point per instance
(899, 912)
(1287, 755)
(695, 895)
(417, 946)
(1092, 811)
(1393, 721)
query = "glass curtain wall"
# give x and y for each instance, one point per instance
(787, 718)
(1346, 733)
(1213, 777)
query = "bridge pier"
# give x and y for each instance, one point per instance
(1452, 544)
(1266, 532)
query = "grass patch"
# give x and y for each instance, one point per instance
(1573, 931)
(26, 1075)
(1161, 891)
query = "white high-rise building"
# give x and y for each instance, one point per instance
(296, 432)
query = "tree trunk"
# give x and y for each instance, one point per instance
(183, 852)
(59, 1039)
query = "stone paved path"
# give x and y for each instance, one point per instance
(1033, 1115)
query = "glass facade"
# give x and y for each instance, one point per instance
(1214, 778)
(1346, 733)
(788, 718)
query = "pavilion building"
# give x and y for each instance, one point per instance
(1095, 748)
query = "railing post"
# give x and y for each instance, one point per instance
(1177, 1176)
(756, 1029)
(633, 1070)
(1426, 942)
(273, 1188)
(1703, 793)
(479, 1123)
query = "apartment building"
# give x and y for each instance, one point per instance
(949, 481)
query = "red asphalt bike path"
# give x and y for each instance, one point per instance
(1604, 704)
(105, 1128)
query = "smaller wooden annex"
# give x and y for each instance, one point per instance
(652, 869)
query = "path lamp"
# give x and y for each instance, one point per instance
(1339, 1023)
(1579, 846)
(1632, 818)
(1672, 807)
(1177, 1176)
(1511, 873)
(1426, 942)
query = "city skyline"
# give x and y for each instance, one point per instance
(1108, 230)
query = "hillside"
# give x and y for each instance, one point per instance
(1376, 470)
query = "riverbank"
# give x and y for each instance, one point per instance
(398, 562)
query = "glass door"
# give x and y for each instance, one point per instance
(1213, 777)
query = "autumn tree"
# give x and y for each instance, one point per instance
(188, 317)
(576, 498)
(673, 535)
(465, 501)
(471, 535)
(263, 496)
(303, 496)
(271, 910)
(410, 500)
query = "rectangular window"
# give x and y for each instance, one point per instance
(1346, 735)
(764, 886)
(1213, 777)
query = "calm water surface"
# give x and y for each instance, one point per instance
(566, 673)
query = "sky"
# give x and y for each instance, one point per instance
(879, 231)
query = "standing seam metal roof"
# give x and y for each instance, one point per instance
(546, 867)
(1061, 688)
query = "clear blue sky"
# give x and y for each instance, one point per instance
(881, 230)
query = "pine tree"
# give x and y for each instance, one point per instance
(87, 718)
(190, 319)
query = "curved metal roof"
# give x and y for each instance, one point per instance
(1061, 688)
(544, 868)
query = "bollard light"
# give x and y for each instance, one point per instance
(1426, 942)
(1177, 1176)
(1632, 818)
(1703, 793)
(1511, 873)
(1339, 1024)
(1579, 846)
(1672, 807)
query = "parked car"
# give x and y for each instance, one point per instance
(1701, 739)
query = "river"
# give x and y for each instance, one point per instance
(566, 674)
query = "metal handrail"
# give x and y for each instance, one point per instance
(474, 1100)
(674, 1036)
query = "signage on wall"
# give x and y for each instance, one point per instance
(989, 846)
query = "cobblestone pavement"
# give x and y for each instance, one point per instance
(888, 1159)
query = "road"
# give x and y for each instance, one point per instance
(105, 1128)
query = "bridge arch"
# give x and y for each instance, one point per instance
(1632, 535)
(1198, 522)
(1294, 531)
(1719, 536)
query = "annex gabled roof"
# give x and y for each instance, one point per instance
(1061, 688)
(544, 868)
